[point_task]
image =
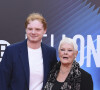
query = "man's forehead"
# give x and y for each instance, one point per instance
(35, 23)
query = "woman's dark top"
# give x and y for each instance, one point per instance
(77, 79)
(57, 85)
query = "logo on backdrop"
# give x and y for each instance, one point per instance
(3, 45)
(92, 3)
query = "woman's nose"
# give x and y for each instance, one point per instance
(65, 52)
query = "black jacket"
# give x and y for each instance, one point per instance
(78, 79)
(86, 80)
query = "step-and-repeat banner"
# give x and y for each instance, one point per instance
(78, 19)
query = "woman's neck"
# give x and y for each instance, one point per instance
(63, 72)
(65, 68)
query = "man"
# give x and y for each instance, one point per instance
(25, 65)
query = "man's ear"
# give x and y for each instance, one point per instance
(45, 31)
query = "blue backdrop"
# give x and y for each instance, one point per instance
(78, 19)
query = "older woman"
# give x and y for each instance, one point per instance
(66, 74)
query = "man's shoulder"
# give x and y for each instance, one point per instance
(48, 47)
(18, 44)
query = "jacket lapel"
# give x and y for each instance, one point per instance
(25, 62)
(45, 63)
(24, 59)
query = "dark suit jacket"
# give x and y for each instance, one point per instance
(14, 67)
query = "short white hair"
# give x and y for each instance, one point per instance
(69, 41)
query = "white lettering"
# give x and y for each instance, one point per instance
(52, 40)
(91, 50)
(82, 43)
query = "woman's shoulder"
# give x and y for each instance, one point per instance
(86, 80)
(84, 73)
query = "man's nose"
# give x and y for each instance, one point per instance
(33, 31)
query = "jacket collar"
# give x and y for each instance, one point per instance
(24, 59)
(25, 62)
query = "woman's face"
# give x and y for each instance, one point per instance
(67, 53)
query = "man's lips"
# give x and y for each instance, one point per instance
(33, 36)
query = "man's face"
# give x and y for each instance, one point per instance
(35, 31)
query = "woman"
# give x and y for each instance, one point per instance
(66, 74)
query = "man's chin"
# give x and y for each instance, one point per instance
(34, 41)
